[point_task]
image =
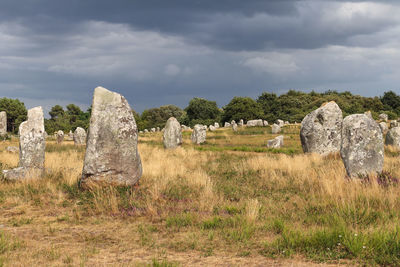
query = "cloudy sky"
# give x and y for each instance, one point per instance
(158, 52)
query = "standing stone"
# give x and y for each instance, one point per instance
(383, 126)
(280, 122)
(241, 123)
(71, 134)
(212, 128)
(146, 131)
(234, 127)
(287, 123)
(140, 132)
(172, 136)
(275, 128)
(233, 122)
(216, 125)
(393, 137)
(158, 129)
(12, 149)
(60, 137)
(227, 125)
(254, 123)
(199, 134)
(383, 117)
(153, 130)
(3, 123)
(265, 123)
(277, 142)
(79, 136)
(321, 130)
(362, 145)
(31, 146)
(112, 156)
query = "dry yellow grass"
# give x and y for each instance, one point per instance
(191, 207)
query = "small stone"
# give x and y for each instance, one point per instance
(275, 128)
(12, 149)
(199, 134)
(393, 137)
(277, 142)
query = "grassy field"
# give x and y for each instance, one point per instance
(228, 202)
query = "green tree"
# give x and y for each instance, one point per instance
(16, 113)
(157, 117)
(244, 108)
(202, 111)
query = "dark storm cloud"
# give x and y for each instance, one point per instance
(166, 52)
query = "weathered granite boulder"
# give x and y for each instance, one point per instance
(3, 123)
(362, 145)
(112, 156)
(383, 117)
(199, 134)
(265, 123)
(212, 128)
(216, 125)
(227, 125)
(321, 130)
(79, 136)
(280, 122)
(383, 126)
(12, 149)
(60, 137)
(277, 142)
(172, 135)
(254, 123)
(31, 147)
(393, 137)
(275, 128)
(234, 127)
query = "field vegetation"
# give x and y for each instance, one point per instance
(228, 202)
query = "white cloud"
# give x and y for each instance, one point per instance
(273, 63)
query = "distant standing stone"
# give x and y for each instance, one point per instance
(79, 136)
(158, 129)
(234, 127)
(3, 123)
(153, 130)
(146, 131)
(227, 125)
(112, 156)
(216, 125)
(254, 123)
(383, 127)
(241, 123)
(12, 149)
(275, 128)
(31, 147)
(277, 142)
(280, 122)
(172, 135)
(212, 128)
(71, 134)
(265, 123)
(393, 137)
(199, 134)
(60, 137)
(362, 145)
(383, 117)
(321, 130)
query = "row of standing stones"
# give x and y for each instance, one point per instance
(358, 138)
(112, 156)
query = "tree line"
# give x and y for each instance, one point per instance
(291, 106)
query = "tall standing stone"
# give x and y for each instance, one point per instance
(31, 146)
(79, 136)
(216, 125)
(3, 123)
(362, 145)
(199, 134)
(172, 135)
(321, 130)
(234, 127)
(112, 156)
(241, 123)
(393, 137)
(60, 137)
